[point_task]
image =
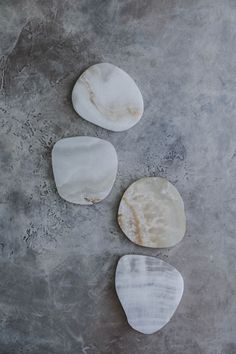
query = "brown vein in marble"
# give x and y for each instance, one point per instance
(138, 236)
(113, 114)
(92, 200)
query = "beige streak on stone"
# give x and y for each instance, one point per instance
(151, 213)
(107, 96)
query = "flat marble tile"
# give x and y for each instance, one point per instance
(149, 290)
(108, 97)
(151, 213)
(84, 169)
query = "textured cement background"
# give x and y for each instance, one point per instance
(57, 260)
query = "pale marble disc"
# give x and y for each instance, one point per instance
(151, 213)
(108, 97)
(84, 169)
(149, 290)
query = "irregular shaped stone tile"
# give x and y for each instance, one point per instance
(151, 213)
(108, 97)
(84, 169)
(149, 290)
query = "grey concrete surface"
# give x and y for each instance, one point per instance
(58, 260)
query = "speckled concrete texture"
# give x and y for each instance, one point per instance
(57, 259)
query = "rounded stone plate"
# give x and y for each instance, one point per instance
(108, 97)
(149, 290)
(151, 213)
(84, 169)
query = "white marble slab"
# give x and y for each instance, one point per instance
(149, 290)
(151, 213)
(84, 169)
(108, 97)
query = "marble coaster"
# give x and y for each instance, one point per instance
(108, 97)
(149, 290)
(151, 213)
(84, 169)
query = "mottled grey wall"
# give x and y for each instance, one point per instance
(57, 259)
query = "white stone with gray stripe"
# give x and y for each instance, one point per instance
(149, 290)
